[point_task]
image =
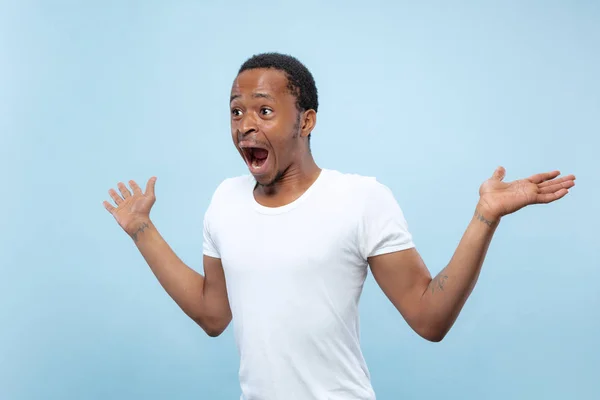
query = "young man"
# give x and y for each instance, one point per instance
(286, 248)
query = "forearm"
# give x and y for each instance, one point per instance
(447, 292)
(183, 284)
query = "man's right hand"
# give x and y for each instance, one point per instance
(204, 299)
(132, 211)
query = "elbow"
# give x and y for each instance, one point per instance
(213, 327)
(434, 337)
(213, 332)
(430, 327)
(432, 333)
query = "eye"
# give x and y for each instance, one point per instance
(266, 111)
(236, 112)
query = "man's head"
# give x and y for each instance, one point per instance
(273, 111)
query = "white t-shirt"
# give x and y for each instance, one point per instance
(294, 276)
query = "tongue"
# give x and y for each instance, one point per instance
(260, 154)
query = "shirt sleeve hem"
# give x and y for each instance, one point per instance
(392, 249)
(211, 254)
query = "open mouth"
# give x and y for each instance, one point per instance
(256, 158)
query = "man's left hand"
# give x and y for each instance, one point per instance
(498, 198)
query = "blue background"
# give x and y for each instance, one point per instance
(429, 98)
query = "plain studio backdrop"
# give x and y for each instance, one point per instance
(429, 98)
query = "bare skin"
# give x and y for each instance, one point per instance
(264, 116)
(202, 298)
(431, 306)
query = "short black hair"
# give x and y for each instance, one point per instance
(300, 81)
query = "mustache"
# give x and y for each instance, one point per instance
(251, 138)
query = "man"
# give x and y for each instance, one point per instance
(286, 248)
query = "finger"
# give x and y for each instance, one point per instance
(558, 180)
(539, 178)
(556, 187)
(550, 197)
(499, 173)
(150, 186)
(108, 207)
(113, 195)
(135, 187)
(123, 189)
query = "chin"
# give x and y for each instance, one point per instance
(263, 180)
(268, 179)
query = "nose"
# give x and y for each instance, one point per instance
(247, 125)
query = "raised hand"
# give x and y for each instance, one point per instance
(498, 198)
(132, 209)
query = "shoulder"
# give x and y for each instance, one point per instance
(366, 194)
(361, 186)
(230, 190)
(233, 186)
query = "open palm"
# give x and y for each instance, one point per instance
(502, 198)
(131, 207)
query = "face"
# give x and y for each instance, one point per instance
(266, 126)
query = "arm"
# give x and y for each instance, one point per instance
(202, 298)
(431, 306)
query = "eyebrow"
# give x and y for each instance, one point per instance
(254, 95)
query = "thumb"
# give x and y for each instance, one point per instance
(150, 186)
(499, 173)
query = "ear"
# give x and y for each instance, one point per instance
(308, 121)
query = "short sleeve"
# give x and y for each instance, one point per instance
(209, 246)
(384, 228)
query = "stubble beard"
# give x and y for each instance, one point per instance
(279, 175)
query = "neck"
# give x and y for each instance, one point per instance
(294, 181)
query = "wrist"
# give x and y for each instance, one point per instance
(484, 214)
(138, 227)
